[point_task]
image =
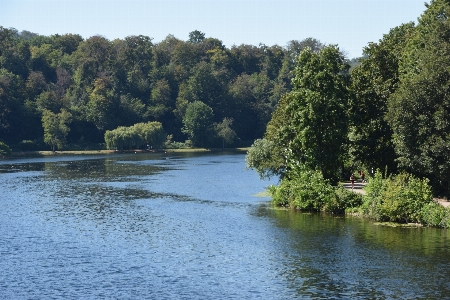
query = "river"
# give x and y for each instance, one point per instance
(192, 226)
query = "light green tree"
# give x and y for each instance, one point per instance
(56, 127)
(151, 133)
(198, 123)
(225, 132)
(4, 149)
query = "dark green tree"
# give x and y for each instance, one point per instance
(373, 82)
(419, 110)
(198, 123)
(310, 124)
(196, 37)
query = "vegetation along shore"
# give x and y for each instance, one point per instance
(386, 118)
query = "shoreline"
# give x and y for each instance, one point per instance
(93, 152)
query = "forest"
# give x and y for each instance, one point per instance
(64, 90)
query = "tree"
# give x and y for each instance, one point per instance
(151, 133)
(122, 138)
(295, 47)
(196, 37)
(198, 123)
(12, 94)
(161, 101)
(419, 110)
(264, 159)
(309, 125)
(225, 132)
(373, 82)
(55, 127)
(103, 106)
(318, 111)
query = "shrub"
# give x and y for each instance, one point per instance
(308, 190)
(302, 189)
(434, 214)
(27, 145)
(4, 149)
(342, 200)
(397, 198)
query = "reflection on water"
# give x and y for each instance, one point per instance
(348, 257)
(188, 227)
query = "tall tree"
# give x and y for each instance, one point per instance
(56, 127)
(419, 110)
(373, 82)
(225, 132)
(198, 123)
(310, 124)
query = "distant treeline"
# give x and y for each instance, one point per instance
(65, 89)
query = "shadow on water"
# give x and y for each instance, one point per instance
(350, 257)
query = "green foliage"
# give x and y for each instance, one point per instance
(27, 145)
(106, 84)
(398, 198)
(419, 109)
(434, 214)
(308, 190)
(196, 37)
(265, 158)
(4, 149)
(103, 106)
(56, 127)
(198, 123)
(225, 132)
(150, 133)
(373, 82)
(310, 123)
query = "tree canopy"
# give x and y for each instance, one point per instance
(108, 84)
(309, 126)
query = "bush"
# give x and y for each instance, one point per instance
(342, 200)
(28, 145)
(434, 214)
(4, 149)
(302, 189)
(308, 190)
(398, 198)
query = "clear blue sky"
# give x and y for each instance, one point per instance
(351, 24)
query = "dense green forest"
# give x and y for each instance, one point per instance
(63, 89)
(389, 113)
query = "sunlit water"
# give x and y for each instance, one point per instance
(150, 226)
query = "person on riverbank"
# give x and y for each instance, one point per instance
(363, 176)
(352, 180)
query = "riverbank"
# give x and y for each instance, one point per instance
(93, 152)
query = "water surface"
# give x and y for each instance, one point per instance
(189, 226)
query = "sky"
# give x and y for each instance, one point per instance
(351, 24)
